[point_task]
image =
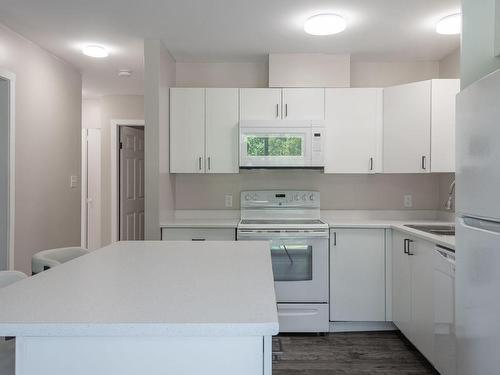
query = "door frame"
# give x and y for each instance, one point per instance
(84, 183)
(11, 79)
(115, 171)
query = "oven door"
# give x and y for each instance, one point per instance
(275, 147)
(300, 263)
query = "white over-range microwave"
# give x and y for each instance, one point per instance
(282, 144)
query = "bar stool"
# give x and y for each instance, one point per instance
(46, 259)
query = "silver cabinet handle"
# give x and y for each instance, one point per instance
(209, 162)
(286, 110)
(371, 164)
(405, 245)
(424, 162)
(199, 163)
(277, 110)
(334, 238)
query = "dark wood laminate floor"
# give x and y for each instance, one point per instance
(347, 353)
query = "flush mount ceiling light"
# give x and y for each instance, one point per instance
(325, 24)
(95, 50)
(450, 25)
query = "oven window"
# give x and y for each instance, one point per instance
(292, 262)
(274, 145)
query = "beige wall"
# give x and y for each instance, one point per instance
(98, 113)
(478, 40)
(449, 66)
(382, 74)
(222, 74)
(160, 71)
(48, 147)
(337, 191)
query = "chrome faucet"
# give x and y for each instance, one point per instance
(449, 202)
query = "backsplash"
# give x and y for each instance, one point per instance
(338, 192)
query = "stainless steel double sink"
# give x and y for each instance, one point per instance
(440, 230)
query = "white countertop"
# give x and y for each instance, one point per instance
(151, 288)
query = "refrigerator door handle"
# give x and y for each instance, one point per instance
(481, 224)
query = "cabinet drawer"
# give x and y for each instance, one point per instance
(198, 234)
(303, 317)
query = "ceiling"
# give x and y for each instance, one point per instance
(223, 30)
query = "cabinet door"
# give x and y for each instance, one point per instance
(222, 131)
(357, 275)
(187, 130)
(407, 128)
(353, 118)
(260, 104)
(304, 104)
(422, 273)
(401, 284)
(444, 92)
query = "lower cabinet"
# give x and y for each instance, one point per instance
(357, 275)
(198, 234)
(412, 285)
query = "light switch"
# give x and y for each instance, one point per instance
(228, 200)
(408, 201)
(73, 182)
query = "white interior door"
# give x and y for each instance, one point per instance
(4, 174)
(93, 188)
(222, 130)
(131, 183)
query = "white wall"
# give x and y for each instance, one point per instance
(449, 66)
(252, 74)
(382, 74)
(160, 71)
(478, 40)
(48, 147)
(98, 113)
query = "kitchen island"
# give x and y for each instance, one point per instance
(147, 307)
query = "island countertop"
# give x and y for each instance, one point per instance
(149, 288)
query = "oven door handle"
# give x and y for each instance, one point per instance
(267, 236)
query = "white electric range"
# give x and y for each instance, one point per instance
(290, 221)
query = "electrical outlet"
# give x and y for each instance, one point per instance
(228, 200)
(408, 201)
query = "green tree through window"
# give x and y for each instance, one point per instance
(274, 146)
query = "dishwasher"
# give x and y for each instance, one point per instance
(444, 310)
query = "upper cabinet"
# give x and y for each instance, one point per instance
(204, 130)
(444, 92)
(303, 104)
(407, 131)
(260, 104)
(282, 104)
(353, 120)
(187, 129)
(410, 112)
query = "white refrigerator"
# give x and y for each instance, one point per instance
(478, 228)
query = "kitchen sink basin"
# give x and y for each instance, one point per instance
(440, 230)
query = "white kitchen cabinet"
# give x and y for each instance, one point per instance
(357, 275)
(198, 234)
(303, 104)
(260, 104)
(222, 130)
(187, 130)
(282, 104)
(412, 301)
(204, 130)
(444, 92)
(407, 131)
(353, 121)
(419, 127)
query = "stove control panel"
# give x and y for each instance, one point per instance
(280, 199)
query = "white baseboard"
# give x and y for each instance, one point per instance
(361, 326)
